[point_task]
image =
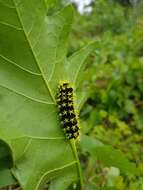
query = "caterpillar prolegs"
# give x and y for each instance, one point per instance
(67, 113)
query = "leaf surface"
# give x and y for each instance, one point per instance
(32, 62)
(6, 178)
(108, 155)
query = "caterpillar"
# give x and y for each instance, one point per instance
(67, 113)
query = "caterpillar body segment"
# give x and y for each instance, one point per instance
(67, 113)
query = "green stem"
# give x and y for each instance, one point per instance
(72, 142)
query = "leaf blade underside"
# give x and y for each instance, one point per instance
(25, 93)
(32, 61)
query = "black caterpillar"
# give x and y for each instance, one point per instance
(67, 112)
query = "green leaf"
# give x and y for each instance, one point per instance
(107, 188)
(64, 182)
(6, 178)
(81, 98)
(92, 186)
(6, 160)
(76, 63)
(108, 155)
(51, 3)
(32, 62)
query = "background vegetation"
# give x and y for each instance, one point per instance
(113, 83)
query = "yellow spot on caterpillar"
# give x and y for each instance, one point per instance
(70, 104)
(73, 127)
(63, 104)
(68, 128)
(76, 135)
(71, 111)
(64, 98)
(72, 120)
(65, 120)
(64, 112)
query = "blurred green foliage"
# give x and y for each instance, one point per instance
(113, 82)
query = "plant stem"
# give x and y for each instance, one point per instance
(74, 149)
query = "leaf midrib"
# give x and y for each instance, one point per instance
(30, 46)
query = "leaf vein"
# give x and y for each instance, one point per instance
(6, 5)
(28, 97)
(54, 170)
(10, 25)
(15, 64)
